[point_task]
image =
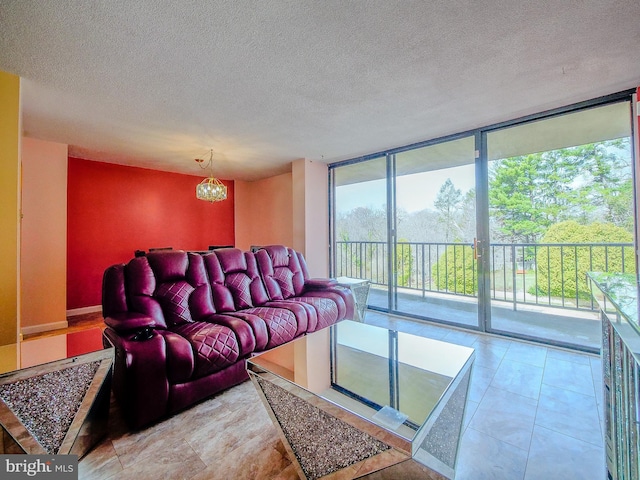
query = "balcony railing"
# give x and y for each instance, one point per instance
(548, 274)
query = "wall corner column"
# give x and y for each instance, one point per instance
(10, 134)
(311, 214)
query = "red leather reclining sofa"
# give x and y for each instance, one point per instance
(183, 324)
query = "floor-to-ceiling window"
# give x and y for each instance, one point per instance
(560, 204)
(496, 228)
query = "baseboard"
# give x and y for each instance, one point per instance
(84, 310)
(44, 327)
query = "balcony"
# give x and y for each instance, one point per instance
(537, 290)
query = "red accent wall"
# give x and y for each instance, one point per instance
(113, 210)
(84, 341)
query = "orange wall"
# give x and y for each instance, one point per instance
(43, 259)
(264, 212)
(114, 210)
(289, 209)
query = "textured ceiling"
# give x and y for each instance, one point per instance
(158, 83)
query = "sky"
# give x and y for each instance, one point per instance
(413, 193)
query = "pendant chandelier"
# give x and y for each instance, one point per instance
(210, 189)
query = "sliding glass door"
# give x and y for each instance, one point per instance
(435, 220)
(406, 222)
(560, 204)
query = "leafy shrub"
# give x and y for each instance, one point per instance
(455, 270)
(562, 270)
(404, 257)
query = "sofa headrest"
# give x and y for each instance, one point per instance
(231, 260)
(168, 265)
(279, 255)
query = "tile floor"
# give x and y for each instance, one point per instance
(533, 412)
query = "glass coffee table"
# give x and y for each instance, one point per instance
(353, 399)
(55, 393)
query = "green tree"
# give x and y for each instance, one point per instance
(608, 178)
(561, 270)
(447, 203)
(359, 227)
(529, 193)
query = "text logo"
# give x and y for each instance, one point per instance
(51, 467)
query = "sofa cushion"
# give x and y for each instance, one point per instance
(282, 325)
(174, 299)
(240, 286)
(180, 357)
(326, 309)
(284, 277)
(234, 275)
(140, 283)
(214, 346)
(200, 301)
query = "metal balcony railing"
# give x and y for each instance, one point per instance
(549, 274)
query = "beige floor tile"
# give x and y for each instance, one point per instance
(100, 463)
(160, 468)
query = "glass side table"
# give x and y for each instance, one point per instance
(360, 289)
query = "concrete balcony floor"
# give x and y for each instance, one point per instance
(578, 328)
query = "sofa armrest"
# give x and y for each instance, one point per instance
(140, 381)
(129, 321)
(319, 283)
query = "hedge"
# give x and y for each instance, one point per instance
(455, 270)
(562, 270)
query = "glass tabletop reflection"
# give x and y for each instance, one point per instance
(392, 378)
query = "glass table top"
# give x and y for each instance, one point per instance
(617, 298)
(621, 289)
(49, 348)
(391, 378)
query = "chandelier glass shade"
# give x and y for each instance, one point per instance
(210, 189)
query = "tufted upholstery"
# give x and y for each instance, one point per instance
(214, 346)
(281, 272)
(280, 323)
(285, 275)
(174, 300)
(207, 313)
(326, 310)
(239, 275)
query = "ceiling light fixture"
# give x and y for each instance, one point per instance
(210, 189)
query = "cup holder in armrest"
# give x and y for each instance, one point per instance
(143, 334)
